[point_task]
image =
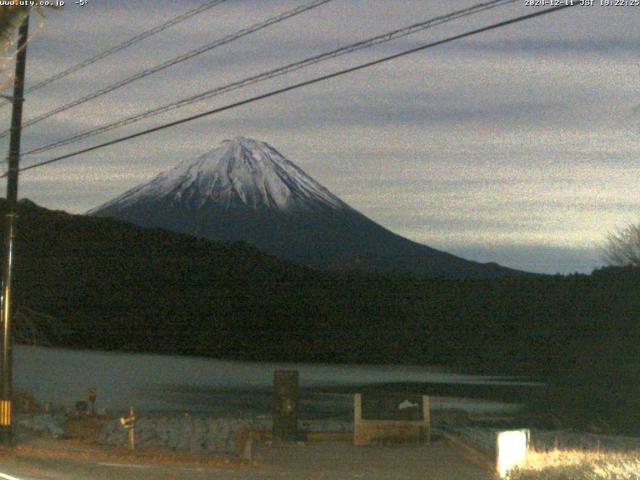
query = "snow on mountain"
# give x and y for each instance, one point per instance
(245, 190)
(240, 172)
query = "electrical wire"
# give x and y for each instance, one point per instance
(132, 41)
(270, 74)
(174, 61)
(301, 85)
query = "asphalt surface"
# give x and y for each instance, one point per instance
(335, 461)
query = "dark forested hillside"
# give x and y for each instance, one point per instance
(110, 285)
(105, 284)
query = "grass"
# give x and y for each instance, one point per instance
(579, 465)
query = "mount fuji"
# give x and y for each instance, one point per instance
(245, 190)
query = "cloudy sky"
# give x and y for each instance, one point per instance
(518, 146)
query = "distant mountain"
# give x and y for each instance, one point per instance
(246, 190)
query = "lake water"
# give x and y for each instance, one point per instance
(155, 383)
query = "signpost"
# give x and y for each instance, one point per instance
(392, 407)
(391, 418)
(285, 405)
(92, 394)
(129, 423)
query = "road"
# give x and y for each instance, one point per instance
(335, 461)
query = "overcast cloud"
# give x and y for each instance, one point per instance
(518, 146)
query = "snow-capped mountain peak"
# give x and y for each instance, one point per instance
(245, 190)
(240, 173)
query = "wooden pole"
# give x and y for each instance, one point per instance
(6, 426)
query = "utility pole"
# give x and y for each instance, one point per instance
(6, 424)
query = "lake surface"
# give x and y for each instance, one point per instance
(161, 383)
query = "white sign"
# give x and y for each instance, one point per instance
(512, 449)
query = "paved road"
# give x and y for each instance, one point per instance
(309, 462)
(344, 461)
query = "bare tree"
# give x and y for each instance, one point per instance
(622, 246)
(10, 19)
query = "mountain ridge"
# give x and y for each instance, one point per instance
(241, 169)
(245, 190)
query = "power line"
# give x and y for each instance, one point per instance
(132, 41)
(174, 61)
(270, 74)
(300, 85)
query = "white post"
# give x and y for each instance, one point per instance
(132, 432)
(511, 450)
